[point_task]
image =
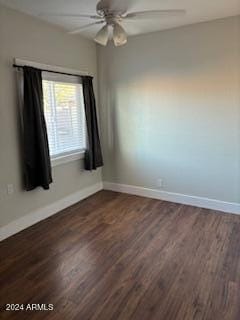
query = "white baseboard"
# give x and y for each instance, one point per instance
(45, 212)
(213, 204)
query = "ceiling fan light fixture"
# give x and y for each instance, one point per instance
(102, 36)
(119, 35)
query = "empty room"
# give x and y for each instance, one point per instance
(120, 160)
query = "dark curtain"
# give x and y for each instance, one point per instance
(93, 155)
(37, 165)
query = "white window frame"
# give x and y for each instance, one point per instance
(71, 155)
(67, 158)
(21, 62)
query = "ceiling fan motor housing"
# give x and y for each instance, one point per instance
(105, 11)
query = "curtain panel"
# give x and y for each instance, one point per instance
(37, 164)
(93, 155)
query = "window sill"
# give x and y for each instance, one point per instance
(67, 158)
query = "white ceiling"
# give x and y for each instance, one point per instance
(197, 11)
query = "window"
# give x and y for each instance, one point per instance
(65, 116)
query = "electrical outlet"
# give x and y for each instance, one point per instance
(10, 189)
(160, 183)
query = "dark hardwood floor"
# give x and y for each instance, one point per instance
(116, 256)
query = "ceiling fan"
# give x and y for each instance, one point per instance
(112, 13)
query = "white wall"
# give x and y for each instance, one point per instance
(170, 107)
(27, 38)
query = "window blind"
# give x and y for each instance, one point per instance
(64, 114)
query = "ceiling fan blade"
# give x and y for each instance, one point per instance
(154, 14)
(88, 16)
(80, 29)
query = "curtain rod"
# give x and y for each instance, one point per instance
(51, 71)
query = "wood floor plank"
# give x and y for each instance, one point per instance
(115, 256)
